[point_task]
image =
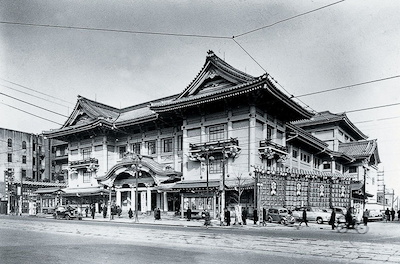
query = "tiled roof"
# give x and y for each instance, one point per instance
(362, 148)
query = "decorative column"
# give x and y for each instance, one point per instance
(148, 198)
(165, 200)
(133, 198)
(118, 197)
(252, 137)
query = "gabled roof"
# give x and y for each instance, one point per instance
(218, 80)
(326, 117)
(361, 149)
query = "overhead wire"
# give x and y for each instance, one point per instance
(347, 86)
(30, 113)
(287, 19)
(115, 30)
(45, 109)
(49, 101)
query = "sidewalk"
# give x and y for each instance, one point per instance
(178, 221)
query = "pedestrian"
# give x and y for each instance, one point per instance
(349, 218)
(130, 213)
(227, 216)
(244, 216)
(392, 212)
(332, 221)
(207, 218)
(387, 214)
(304, 218)
(189, 214)
(398, 215)
(255, 216)
(104, 211)
(264, 216)
(157, 214)
(86, 211)
(365, 217)
(92, 210)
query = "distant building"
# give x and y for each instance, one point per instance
(23, 170)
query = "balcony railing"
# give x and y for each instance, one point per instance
(272, 150)
(90, 164)
(229, 147)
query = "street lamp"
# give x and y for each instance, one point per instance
(137, 166)
(207, 158)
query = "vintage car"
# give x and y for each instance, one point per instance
(279, 215)
(313, 214)
(67, 212)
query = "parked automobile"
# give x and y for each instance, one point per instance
(67, 212)
(375, 215)
(279, 215)
(313, 214)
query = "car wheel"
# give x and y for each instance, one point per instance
(319, 220)
(270, 219)
(67, 217)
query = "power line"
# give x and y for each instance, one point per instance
(373, 107)
(34, 91)
(116, 30)
(348, 86)
(11, 88)
(32, 114)
(287, 19)
(34, 105)
(379, 119)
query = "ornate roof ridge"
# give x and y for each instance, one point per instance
(97, 104)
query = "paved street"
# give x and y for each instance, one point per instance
(170, 240)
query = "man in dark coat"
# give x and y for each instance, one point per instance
(304, 218)
(244, 216)
(255, 216)
(227, 216)
(392, 212)
(130, 213)
(387, 214)
(92, 210)
(333, 219)
(189, 214)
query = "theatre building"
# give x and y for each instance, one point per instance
(226, 131)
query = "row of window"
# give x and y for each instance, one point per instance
(10, 143)
(10, 158)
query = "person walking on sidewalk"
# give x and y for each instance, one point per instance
(130, 213)
(207, 218)
(189, 214)
(92, 210)
(244, 216)
(227, 216)
(333, 218)
(392, 212)
(387, 214)
(304, 218)
(365, 217)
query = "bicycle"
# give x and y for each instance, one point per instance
(343, 227)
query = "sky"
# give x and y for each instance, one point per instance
(49, 57)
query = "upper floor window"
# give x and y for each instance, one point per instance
(180, 143)
(121, 151)
(327, 166)
(216, 133)
(9, 143)
(279, 137)
(295, 153)
(151, 147)
(23, 144)
(86, 177)
(305, 158)
(135, 147)
(86, 153)
(23, 159)
(269, 132)
(23, 174)
(167, 145)
(9, 157)
(317, 162)
(338, 167)
(353, 169)
(215, 166)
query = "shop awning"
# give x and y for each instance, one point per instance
(196, 185)
(53, 190)
(84, 191)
